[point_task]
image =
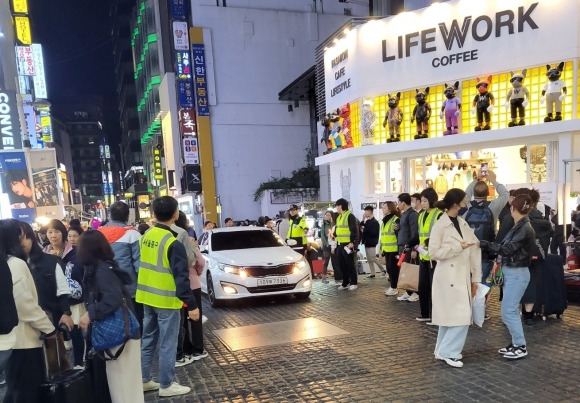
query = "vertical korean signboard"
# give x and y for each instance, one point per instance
(16, 183)
(200, 79)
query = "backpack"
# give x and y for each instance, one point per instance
(480, 219)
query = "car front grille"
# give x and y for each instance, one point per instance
(264, 271)
(271, 288)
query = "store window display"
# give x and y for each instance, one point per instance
(421, 114)
(483, 104)
(554, 93)
(394, 118)
(368, 122)
(451, 109)
(517, 99)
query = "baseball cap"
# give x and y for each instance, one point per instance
(293, 207)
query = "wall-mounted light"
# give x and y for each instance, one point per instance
(296, 104)
(290, 108)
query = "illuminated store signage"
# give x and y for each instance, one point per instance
(20, 6)
(201, 96)
(25, 61)
(157, 165)
(39, 78)
(187, 122)
(22, 26)
(180, 35)
(9, 126)
(182, 65)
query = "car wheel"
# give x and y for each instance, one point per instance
(211, 292)
(302, 295)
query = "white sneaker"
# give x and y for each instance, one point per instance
(149, 386)
(174, 389)
(186, 360)
(414, 297)
(391, 291)
(199, 356)
(438, 357)
(340, 287)
(454, 362)
(353, 287)
(404, 297)
(383, 274)
(204, 319)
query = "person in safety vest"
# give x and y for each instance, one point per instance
(429, 214)
(347, 237)
(297, 229)
(389, 247)
(163, 288)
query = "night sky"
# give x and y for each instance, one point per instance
(78, 53)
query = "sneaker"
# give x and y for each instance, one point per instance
(454, 362)
(79, 367)
(431, 323)
(487, 317)
(343, 287)
(421, 319)
(438, 357)
(199, 356)
(505, 349)
(353, 287)
(204, 319)
(149, 386)
(391, 291)
(516, 353)
(404, 297)
(414, 297)
(383, 274)
(174, 389)
(186, 360)
(371, 276)
(337, 282)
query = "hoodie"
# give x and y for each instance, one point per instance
(124, 241)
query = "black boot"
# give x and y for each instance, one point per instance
(528, 316)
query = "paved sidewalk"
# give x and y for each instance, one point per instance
(387, 356)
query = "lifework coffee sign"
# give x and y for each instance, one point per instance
(9, 125)
(450, 41)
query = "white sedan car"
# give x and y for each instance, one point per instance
(245, 262)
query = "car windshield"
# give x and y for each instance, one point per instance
(245, 240)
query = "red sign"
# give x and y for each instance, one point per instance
(187, 123)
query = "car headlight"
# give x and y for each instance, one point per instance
(299, 265)
(233, 270)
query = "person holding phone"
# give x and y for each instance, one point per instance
(456, 248)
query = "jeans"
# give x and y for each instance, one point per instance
(450, 341)
(486, 266)
(372, 259)
(515, 281)
(4, 356)
(159, 325)
(326, 254)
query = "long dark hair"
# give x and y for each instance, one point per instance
(10, 228)
(36, 252)
(181, 221)
(93, 248)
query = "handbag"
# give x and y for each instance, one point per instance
(116, 329)
(495, 276)
(409, 277)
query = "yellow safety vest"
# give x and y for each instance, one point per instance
(425, 227)
(297, 231)
(342, 230)
(388, 237)
(155, 283)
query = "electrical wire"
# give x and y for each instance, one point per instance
(79, 54)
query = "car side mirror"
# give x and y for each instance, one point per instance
(291, 242)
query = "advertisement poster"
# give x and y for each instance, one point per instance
(46, 184)
(10, 138)
(180, 35)
(190, 151)
(16, 183)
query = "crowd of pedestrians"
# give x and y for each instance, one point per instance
(60, 282)
(455, 242)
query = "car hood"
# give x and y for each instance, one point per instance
(257, 256)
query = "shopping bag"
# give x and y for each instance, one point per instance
(382, 260)
(409, 277)
(478, 306)
(495, 276)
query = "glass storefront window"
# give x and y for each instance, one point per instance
(388, 177)
(396, 176)
(380, 177)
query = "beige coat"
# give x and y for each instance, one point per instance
(32, 321)
(451, 293)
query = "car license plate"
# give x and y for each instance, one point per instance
(272, 281)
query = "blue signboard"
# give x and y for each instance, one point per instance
(178, 11)
(200, 79)
(182, 65)
(18, 186)
(185, 93)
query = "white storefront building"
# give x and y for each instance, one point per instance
(438, 46)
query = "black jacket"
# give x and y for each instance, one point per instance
(408, 234)
(517, 246)
(8, 313)
(543, 230)
(104, 291)
(43, 269)
(371, 232)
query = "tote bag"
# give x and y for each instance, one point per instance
(409, 277)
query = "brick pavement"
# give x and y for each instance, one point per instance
(386, 357)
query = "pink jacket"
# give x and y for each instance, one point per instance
(195, 270)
